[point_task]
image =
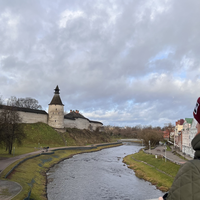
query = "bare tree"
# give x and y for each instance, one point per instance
(27, 102)
(10, 128)
(150, 134)
(1, 100)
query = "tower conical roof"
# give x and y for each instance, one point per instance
(56, 98)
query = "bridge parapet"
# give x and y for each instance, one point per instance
(130, 140)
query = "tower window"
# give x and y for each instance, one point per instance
(55, 120)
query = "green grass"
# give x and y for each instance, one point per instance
(168, 148)
(169, 167)
(40, 134)
(162, 181)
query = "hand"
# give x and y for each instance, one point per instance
(160, 198)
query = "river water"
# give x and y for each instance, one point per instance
(99, 175)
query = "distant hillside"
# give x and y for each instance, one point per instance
(40, 134)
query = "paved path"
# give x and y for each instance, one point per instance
(160, 151)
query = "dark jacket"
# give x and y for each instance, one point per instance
(186, 184)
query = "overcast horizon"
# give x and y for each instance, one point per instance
(123, 63)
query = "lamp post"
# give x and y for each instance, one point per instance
(149, 146)
(142, 142)
(13, 151)
(165, 152)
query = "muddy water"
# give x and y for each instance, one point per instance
(99, 176)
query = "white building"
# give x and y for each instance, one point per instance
(186, 142)
(192, 133)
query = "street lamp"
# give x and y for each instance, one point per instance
(149, 146)
(165, 151)
(13, 151)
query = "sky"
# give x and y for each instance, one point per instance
(121, 62)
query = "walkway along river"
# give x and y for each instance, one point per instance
(99, 176)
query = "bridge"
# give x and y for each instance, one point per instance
(130, 140)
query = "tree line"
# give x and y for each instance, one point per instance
(146, 133)
(11, 130)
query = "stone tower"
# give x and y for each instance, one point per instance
(56, 111)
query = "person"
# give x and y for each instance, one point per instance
(186, 185)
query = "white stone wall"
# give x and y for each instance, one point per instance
(28, 117)
(69, 123)
(81, 124)
(77, 123)
(96, 125)
(56, 116)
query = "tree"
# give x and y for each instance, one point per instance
(27, 102)
(1, 101)
(150, 134)
(10, 129)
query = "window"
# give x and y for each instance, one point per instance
(55, 120)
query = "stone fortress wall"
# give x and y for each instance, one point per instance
(82, 124)
(31, 118)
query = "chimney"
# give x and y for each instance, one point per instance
(70, 111)
(77, 111)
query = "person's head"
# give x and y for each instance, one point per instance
(196, 114)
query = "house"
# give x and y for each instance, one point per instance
(186, 142)
(166, 134)
(178, 134)
(192, 133)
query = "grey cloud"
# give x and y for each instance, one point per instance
(122, 56)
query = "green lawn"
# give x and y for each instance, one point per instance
(162, 181)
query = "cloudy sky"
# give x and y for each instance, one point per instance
(121, 62)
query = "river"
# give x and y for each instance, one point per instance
(99, 175)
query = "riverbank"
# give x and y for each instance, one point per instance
(152, 169)
(31, 174)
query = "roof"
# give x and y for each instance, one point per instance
(96, 122)
(56, 98)
(74, 115)
(189, 120)
(24, 109)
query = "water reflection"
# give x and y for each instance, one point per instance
(97, 176)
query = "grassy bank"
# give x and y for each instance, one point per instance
(40, 135)
(32, 173)
(152, 172)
